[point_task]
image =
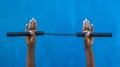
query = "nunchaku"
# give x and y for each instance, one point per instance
(41, 33)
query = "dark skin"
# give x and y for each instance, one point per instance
(32, 39)
(31, 43)
(88, 43)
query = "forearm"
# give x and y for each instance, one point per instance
(30, 57)
(89, 57)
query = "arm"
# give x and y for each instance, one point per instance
(88, 43)
(88, 48)
(31, 43)
(30, 57)
(89, 57)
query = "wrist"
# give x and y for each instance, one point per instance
(31, 51)
(88, 46)
(31, 47)
(89, 51)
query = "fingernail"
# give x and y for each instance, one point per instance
(91, 24)
(33, 19)
(26, 24)
(85, 19)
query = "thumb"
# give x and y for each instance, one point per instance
(92, 28)
(26, 27)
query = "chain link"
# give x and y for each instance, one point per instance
(60, 34)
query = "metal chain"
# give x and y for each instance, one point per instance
(60, 34)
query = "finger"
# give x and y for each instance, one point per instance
(32, 24)
(86, 40)
(26, 27)
(87, 35)
(83, 26)
(33, 37)
(92, 38)
(86, 25)
(92, 28)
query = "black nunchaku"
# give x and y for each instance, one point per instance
(41, 33)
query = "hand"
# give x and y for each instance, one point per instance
(31, 28)
(87, 28)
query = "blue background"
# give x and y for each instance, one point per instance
(61, 16)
